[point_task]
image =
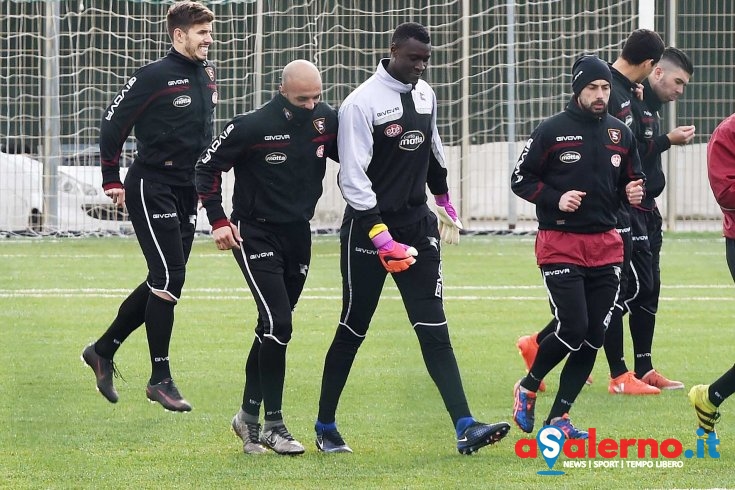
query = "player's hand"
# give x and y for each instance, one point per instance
(395, 257)
(681, 135)
(571, 200)
(449, 223)
(117, 195)
(638, 91)
(227, 237)
(634, 190)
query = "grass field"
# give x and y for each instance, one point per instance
(58, 432)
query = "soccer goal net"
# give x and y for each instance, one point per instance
(498, 69)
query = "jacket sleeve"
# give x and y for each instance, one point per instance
(355, 146)
(632, 170)
(118, 121)
(436, 178)
(220, 156)
(721, 166)
(526, 180)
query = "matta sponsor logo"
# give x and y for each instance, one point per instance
(275, 158)
(411, 140)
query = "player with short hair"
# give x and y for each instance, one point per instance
(169, 104)
(576, 168)
(278, 154)
(665, 84)
(390, 150)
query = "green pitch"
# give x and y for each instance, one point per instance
(58, 432)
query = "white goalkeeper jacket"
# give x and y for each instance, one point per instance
(390, 150)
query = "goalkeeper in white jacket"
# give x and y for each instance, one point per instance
(390, 151)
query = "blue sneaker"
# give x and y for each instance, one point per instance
(329, 440)
(568, 429)
(478, 435)
(524, 407)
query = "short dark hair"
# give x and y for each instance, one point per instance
(642, 45)
(183, 15)
(679, 58)
(409, 30)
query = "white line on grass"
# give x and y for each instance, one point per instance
(244, 293)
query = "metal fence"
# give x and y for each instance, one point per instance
(498, 68)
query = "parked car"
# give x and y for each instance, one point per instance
(83, 205)
(21, 193)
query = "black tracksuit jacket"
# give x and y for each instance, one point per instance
(170, 104)
(279, 156)
(576, 150)
(650, 143)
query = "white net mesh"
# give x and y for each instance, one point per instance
(490, 96)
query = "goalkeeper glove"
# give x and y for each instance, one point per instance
(449, 223)
(395, 257)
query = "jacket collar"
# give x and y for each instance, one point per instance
(382, 74)
(176, 55)
(578, 113)
(650, 97)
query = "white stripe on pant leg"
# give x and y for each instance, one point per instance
(158, 247)
(558, 322)
(349, 273)
(269, 332)
(634, 273)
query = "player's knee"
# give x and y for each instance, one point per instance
(176, 279)
(432, 334)
(348, 336)
(573, 337)
(280, 332)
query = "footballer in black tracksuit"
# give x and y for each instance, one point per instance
(390, 151)
(620, 106)
(278, 154)
(644, 283)
(170, 105)
(579, 253)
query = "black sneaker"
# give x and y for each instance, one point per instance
(167, 395)
(104, 371)
(479, 435)
(330, 441)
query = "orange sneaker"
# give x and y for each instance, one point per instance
(654, 378)
(628, 384)
(528, 348)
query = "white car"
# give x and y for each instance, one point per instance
(83, 205)
(21, 193)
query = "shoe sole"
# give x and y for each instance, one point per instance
(171, 410)
(286, 453)
(343, 449)
(613, 392)
(492, 438)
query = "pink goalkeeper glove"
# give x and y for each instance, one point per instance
(449, 223)
(395, 257)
